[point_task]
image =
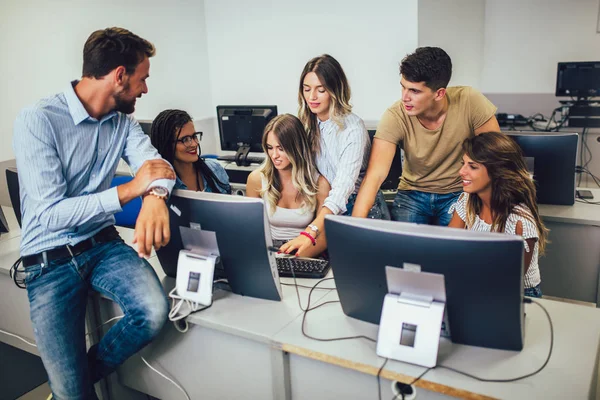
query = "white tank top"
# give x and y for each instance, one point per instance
(286, 223)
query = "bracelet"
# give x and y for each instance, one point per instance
(315, 229)
(311, 237)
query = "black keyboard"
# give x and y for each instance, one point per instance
(303, 267)
(252, 160)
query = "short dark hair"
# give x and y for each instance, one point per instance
(431, 65)
(109, 48)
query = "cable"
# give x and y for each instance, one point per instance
(307, 287)
(166, 377)
(379, 378)
(100, 326)
(526, 300)
(418, 378)
(18, 337)
(308, 308)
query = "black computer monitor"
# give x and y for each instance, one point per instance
(578, 79)
(3, 223)
(241, 129)
(12, 181)
(551, 158)
(393, 179)
(146, 126)
(483, 274)
(242, 234)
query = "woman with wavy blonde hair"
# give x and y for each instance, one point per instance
(339, 140)
(289, 183)
(499, 196)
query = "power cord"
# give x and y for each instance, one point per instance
(527, 301)
(178, 386)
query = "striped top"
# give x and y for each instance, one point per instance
(343, 159)
(532, 277)
(66, 161)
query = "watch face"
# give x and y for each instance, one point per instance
(160, 191)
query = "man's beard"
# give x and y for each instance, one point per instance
(123, 105)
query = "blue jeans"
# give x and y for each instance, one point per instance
(535, 291)
(58, 296)
(422, 207)
(379, 210)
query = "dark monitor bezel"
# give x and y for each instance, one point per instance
(243, 236)
(483, 274)
(557, 151)
(392, 180)
(561, 91)
(256, 142)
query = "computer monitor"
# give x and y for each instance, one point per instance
(393, 178)
(241, 129)
(483, 274)
(242, 234)
(578, 79)
(12, 181)
(146, 126)
(551, 158)
(3, 223)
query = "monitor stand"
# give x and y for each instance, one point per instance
(241, 156)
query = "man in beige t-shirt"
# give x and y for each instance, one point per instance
(429, 123)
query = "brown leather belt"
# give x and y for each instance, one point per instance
(105, 235)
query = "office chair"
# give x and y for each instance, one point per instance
(12, 180)
(125, 218)
(128, 216)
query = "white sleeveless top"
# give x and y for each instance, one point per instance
(532, 277)
(286, 223)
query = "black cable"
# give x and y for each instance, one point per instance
(526, 300)
(418, 378)
(308, 308)
(14, 272)
(379, 378)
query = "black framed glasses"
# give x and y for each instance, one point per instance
(191, 140)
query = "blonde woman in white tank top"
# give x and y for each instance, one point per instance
(290, 184)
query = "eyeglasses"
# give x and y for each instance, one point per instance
(191, 140)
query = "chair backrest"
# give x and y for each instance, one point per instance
(12, 181)
(128, 216)
(393, 179)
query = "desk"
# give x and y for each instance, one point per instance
(571, 266)
(252, 348)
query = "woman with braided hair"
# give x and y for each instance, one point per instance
(174, 136)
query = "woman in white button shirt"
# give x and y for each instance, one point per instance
(499, 196)
(289, 183)
(339, 140)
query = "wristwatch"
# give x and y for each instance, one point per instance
(158, 191)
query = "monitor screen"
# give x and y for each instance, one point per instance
(242, 233)
(578, 79)
(483, 274)
(3, 222)
(393, 178)
(551, 158)
(243, 126)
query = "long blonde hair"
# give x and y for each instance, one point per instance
(295, 142)
(511, 183)
(334, 81)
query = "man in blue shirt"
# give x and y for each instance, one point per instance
(67, 148)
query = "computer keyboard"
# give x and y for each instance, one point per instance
(251, 160)
(303, 267)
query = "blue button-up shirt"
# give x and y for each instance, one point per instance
(66, 160)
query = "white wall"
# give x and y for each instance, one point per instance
(525, 39)
(457, 27)
(41, 44)
(257, 50)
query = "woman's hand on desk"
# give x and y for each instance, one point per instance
(152, 226)
(301, 244)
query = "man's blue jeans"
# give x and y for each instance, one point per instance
(422, 207)
(58, 297)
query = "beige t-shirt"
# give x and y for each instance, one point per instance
(432, 157)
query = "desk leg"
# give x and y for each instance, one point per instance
(280, 370)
